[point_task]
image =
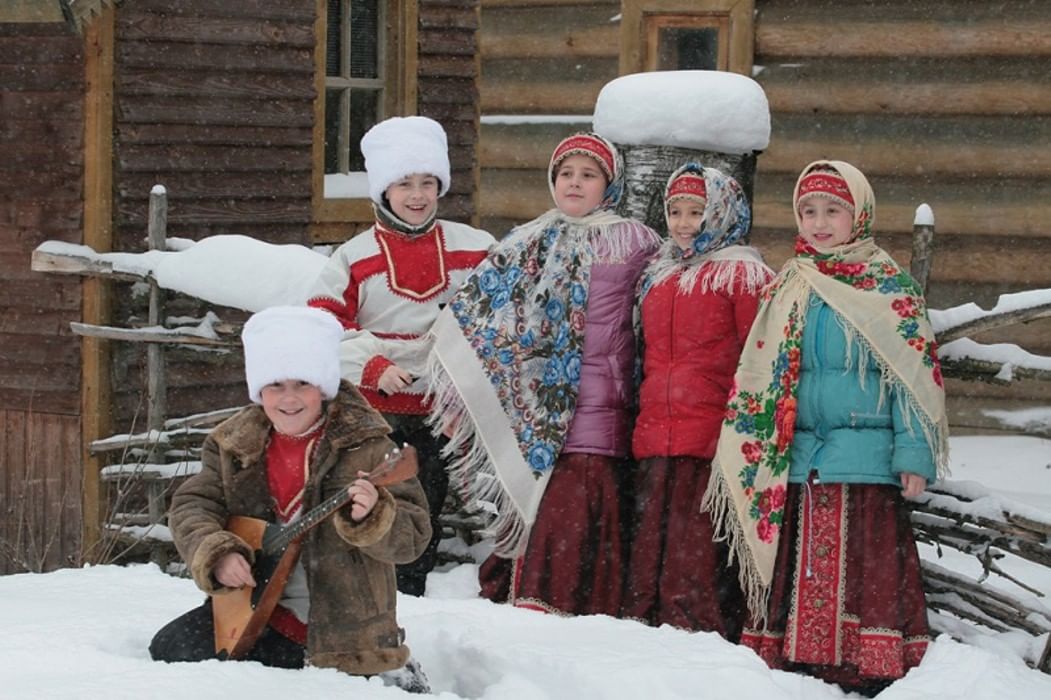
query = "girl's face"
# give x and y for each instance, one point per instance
(292, 405)
(414, 198)
(825, 224)
(684, 221)
(579, 185)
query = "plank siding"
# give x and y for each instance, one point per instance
(40, 483)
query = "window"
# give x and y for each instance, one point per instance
(687, 35)
(366, 71)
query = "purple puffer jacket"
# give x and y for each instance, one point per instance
(601, 423)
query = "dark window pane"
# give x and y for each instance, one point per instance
(364, 109)
(332, 99)
(364, 38)
(688, 48)
(332, 38)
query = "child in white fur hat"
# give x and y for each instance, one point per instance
(386, 286)
(306, 437)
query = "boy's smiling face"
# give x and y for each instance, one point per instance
(293, 406)
(413, 199)
(825, 223)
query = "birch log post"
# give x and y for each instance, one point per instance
(647, 169)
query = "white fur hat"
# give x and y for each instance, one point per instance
(292, 342)
(402, 146)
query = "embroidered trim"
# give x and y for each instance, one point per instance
(382, 238)
(373, 370)
(401, 403)
(813, 633)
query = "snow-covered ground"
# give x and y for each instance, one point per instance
(83, 634)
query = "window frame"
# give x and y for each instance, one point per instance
(641, 21)
(336, 219)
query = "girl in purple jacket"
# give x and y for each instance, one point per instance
(532, 371)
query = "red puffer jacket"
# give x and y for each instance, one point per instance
(692, 344)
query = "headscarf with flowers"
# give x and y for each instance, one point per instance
(717, 258)
(505, 365)
(878, 305)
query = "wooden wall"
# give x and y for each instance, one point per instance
(545, 61)
(946, 102)
(41, 183)
(447, 91)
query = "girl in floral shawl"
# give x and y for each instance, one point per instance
(698, 299)
(837, 412)
(531, 372)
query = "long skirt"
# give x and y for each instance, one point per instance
(677, 574)
(573, 563)
(846, 601)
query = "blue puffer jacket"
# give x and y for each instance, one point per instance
(841, 430)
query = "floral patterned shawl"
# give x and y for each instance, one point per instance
(506, 361)
(878, 305)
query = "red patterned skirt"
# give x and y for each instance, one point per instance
(677, 575)
(574, 561)
(846, 602)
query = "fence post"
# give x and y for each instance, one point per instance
(922, 246)
(156, 385)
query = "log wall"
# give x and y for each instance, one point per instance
(41, 183)
(947, 103)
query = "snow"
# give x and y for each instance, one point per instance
(924, 215)
(1005, 303)
(79, 633)
(1002, 353)
(1029, 419)
(347, 185)
(230, 270)
(514, 119)
(697, 109)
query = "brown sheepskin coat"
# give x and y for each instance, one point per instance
(349, 566)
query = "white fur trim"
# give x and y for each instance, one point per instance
(403, 146)
(292, 342)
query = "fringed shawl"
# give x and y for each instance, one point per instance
(879, 306)
(505, 365)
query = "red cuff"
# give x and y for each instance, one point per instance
(373, 370)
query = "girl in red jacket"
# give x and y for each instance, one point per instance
(698, 298)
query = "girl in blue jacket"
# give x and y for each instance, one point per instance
(837, 412)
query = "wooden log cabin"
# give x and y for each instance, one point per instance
(246, 112)
(946, 102)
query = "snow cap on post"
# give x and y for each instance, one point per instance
(697, 109)
(292, 342)
(402, 146)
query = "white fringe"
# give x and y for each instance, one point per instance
(716, 272)
(470, 468)
(719, 503)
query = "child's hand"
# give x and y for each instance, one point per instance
(233, 571)
(912, 485)
(393, 380)
(363, 497)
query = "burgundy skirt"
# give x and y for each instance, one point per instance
(846, 601)
(574, 562)
(676, 574)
